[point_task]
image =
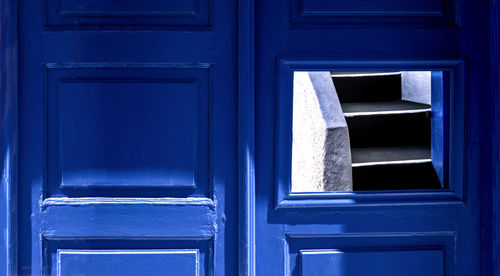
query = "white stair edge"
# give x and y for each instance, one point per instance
(365, 74)
(386, 112)
(395, 162)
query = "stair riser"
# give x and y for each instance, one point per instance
(368, 88)
(389, 130)
(395, 177)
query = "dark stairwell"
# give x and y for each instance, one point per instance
(390, 138)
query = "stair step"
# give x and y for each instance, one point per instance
(368, 88)
(408, 176)
(394, 155)
(373, 108)
(390, 130)
(390, 138)
(363, 73)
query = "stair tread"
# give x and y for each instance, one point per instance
(388, 154)
(399, 105)
(363, 73)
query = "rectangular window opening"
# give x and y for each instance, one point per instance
(370, 131)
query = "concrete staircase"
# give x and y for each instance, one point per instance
(389, 137)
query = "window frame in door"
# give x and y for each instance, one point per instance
(453, 194)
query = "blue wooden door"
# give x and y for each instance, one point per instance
(127, 137)
(420, 231)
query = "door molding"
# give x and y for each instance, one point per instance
(457, 112)
(491, 213)
(8, 140)
(246, 136)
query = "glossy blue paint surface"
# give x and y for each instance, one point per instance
(151, 129)
(169, 156)
(338, 262)
(128, 138)
(371, 253)
(440, 86)
(8, 137)
(453, 147)
(246, 137)
(312, 35)
(127, 262)
(491, 220)
(171, 14)
(316, 13)
(146, 136)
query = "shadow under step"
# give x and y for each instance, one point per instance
(407, 176)
(368, 87)
(382, 129)
(374, 155)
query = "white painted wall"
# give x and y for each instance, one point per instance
(321, 157)
(416, 86)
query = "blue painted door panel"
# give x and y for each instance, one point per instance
(382, 232)
(146, 135)
(390, 263)
(127, 137)
(130, 148)
(127, 262)
(151, 12)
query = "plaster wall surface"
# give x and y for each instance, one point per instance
(321, 157)
(416, 86)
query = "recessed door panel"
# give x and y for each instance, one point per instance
(128, 262)
(129, 137)
(169, 13)
(333, 40)
(128, 132)
(318, 12)
(337, 262)
(115, 133)
(363, 7)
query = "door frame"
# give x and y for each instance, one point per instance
(246, 137)
(8, 138)
(491, 207)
